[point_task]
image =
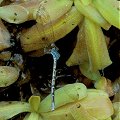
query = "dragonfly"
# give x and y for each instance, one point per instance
(55, 54)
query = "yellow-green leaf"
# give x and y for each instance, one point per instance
(96, 46)
(34, 102)
(10, 109)
(108, 11)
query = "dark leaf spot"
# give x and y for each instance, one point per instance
(78, 106)
(15, 14)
